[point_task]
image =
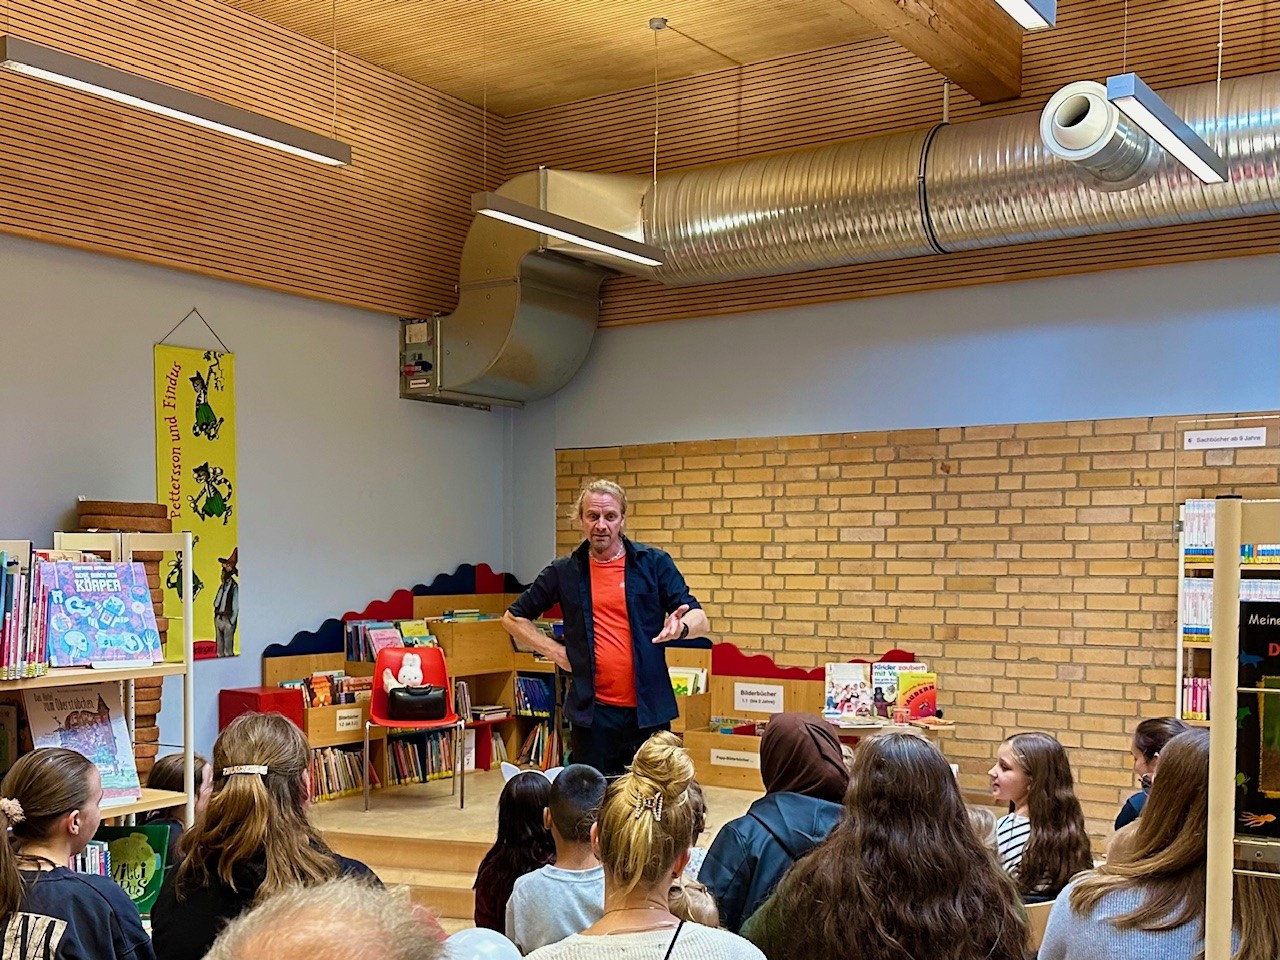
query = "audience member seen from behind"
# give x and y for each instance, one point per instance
(697, 854)
(1148, 742)
(642, 837)
(566, 897)
(50, 804)
(167, 774)
(1150, 901)
(1042, 841)
(902, 875)
(253, 841)
(983, 822)
(344, 919)
(524, 844)
(804, 779)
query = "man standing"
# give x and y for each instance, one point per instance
(621, 601)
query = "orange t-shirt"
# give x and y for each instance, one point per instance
(615, 665)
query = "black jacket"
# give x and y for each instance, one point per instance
(73, 916)
(184, 929)
(654, 589)
(750, 855)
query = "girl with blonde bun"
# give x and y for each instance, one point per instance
(642, 838)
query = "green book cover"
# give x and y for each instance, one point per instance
(138, 857)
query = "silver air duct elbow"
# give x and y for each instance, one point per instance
(1080, 125)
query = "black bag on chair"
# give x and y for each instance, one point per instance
(417, 703)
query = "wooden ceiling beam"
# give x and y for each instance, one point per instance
(973, 43)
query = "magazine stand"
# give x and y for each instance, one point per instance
(121, 547)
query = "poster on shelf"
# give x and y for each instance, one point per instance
(196, 477)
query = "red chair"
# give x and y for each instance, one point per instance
(434, 673)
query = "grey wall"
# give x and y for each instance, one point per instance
(345, 491)
(1185, 339)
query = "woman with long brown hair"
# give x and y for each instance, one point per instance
(903, 875)
(1042, 842)
(50, 805)
(1149, 900)
(642, 837)
(253, 840)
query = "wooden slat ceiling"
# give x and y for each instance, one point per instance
(537, 53)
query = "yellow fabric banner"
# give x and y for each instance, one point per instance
(196, 478)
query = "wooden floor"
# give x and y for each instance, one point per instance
(415, 836)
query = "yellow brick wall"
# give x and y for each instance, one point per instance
(1033, 565)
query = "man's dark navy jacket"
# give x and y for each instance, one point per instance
(654, 588)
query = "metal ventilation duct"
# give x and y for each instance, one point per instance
(522, 326)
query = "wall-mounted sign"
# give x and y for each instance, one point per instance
(758, 697)
(1224, 439)
(743, 759)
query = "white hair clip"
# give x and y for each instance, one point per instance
(653, 804)
(509, 770)
(258, 768)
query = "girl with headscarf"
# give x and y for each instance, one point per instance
(804, 779)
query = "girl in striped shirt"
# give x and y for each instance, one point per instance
(1042, 841)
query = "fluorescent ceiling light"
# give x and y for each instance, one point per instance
(34, 60)
(573, 231)
(1032, 14)
(1144, 107)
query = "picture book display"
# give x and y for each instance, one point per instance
(1258, 721)
(88, 719)
(848, 690)
(98, 612)
(885, 683)
(137, 860)
(918, 693)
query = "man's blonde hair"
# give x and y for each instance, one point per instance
(599, 485)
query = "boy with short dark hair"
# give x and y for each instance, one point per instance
(566, 897)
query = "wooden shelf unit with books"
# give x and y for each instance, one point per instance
(121, 547)
(1259, 580)
(332, 725)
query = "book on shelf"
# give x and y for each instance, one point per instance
(462, 698)
(499, 749)
(89, 719)
(416, 756)
(336, 772)
(137, 857)
(1197, 602)
(848, 690)
(97, 612)
(1195, 698)
(541, 747)
(535, 696)
(1258, 721)
(918, 693)
(94, 859)
(688, 681)
(490, 711)
(886, 682)
(1198, 534)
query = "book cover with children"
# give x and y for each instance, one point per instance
(89, 719)
(848, 690)
(99, 611)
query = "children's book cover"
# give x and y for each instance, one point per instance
(918, 692)
(88, 719)
(138, 858)
(848, 690)
(885, 683)
(1258, 721)
(99, 611)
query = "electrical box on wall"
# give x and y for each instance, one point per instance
(420, 364)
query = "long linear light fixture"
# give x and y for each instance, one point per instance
(1144, 107)
(573, 231)
(78, 73)
(1032, 14)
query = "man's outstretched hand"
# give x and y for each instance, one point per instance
(673, 626)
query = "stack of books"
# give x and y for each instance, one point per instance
(490, 711)
(688, 681)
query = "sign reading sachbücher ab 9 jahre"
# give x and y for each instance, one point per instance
(196, 480)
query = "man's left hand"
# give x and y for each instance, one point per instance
(673, 626)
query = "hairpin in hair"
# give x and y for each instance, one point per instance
(12, 810)
(652, 804)
(258, 768)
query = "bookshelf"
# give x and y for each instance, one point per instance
(121, 547)
(1259, 568)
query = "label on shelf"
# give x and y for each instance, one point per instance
(1224, 439)
(746, 759)
(758, 697)
(347, 720)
